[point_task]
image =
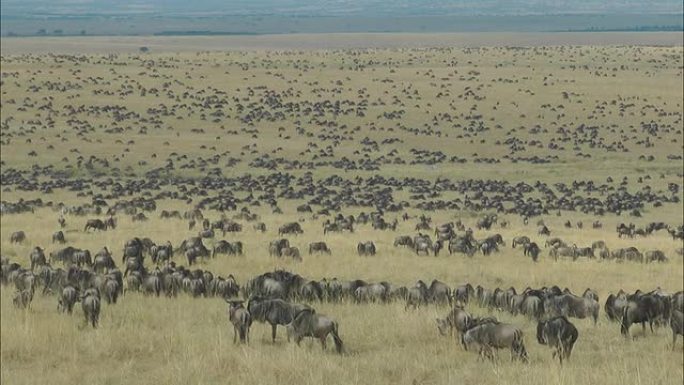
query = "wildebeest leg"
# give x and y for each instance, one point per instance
(323, 341)
(273, 332)
(235, 333)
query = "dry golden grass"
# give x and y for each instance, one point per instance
(189, 341)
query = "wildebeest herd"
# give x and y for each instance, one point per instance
(477, 189)
(284, 298)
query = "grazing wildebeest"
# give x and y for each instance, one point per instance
(58, 237)
(241, 320)
(495, 335)
(290, 228)
(291, 252)
(18, 237)
(558, 333)
(308, 323)
(677, 325)
(62, 222)
(522, 240)
(276, 247)
(366, 248)
(318, 247)
(403, 240)
(274, 311)
(67, 299)
(90, 303)
(458, 319)
(95, 224)
(532, 250)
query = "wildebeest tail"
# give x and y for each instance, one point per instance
(336, 338)
(608, 307)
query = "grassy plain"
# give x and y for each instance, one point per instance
(145, 340)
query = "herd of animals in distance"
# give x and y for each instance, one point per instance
(127, 177)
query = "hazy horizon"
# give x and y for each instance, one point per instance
(206, 17)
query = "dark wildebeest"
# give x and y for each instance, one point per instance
(241, 320)
(18, 237)
(463, 293)
(558, 333)
(290, 228)
(90, 303)
(366, 248)
(58, 237)
(646, 308)
(614, 306)
(439, 292)
(111, 290)
(677, 325)
(37, 257)
(67, 299)
(458, 319)
(307, 323)
(276, 247)
(95, 224)
(274, 311)
(533, 250)
(318, 247)
(495, 335)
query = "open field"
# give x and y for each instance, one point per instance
(315, 41)
(554, 133)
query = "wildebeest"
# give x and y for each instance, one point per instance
(95, 224)
(67, 299)
(366, 248)
(614, 306)
(18, 237)
(291, 252)
(37, 257)
(558, 333)
(532, 250)
(570, 305)
(90, 303)
(458, 319)
(241, 320)
(677, 325)
(308, 323)
(273, 311)
(22, 298)
(642, 309)
(403, 240)
(58, 237)
(290, 228)
(495, 335)
(276, 247)
(655, 256)
(318, 247)
(522, 240)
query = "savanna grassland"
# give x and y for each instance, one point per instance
(554, 133)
